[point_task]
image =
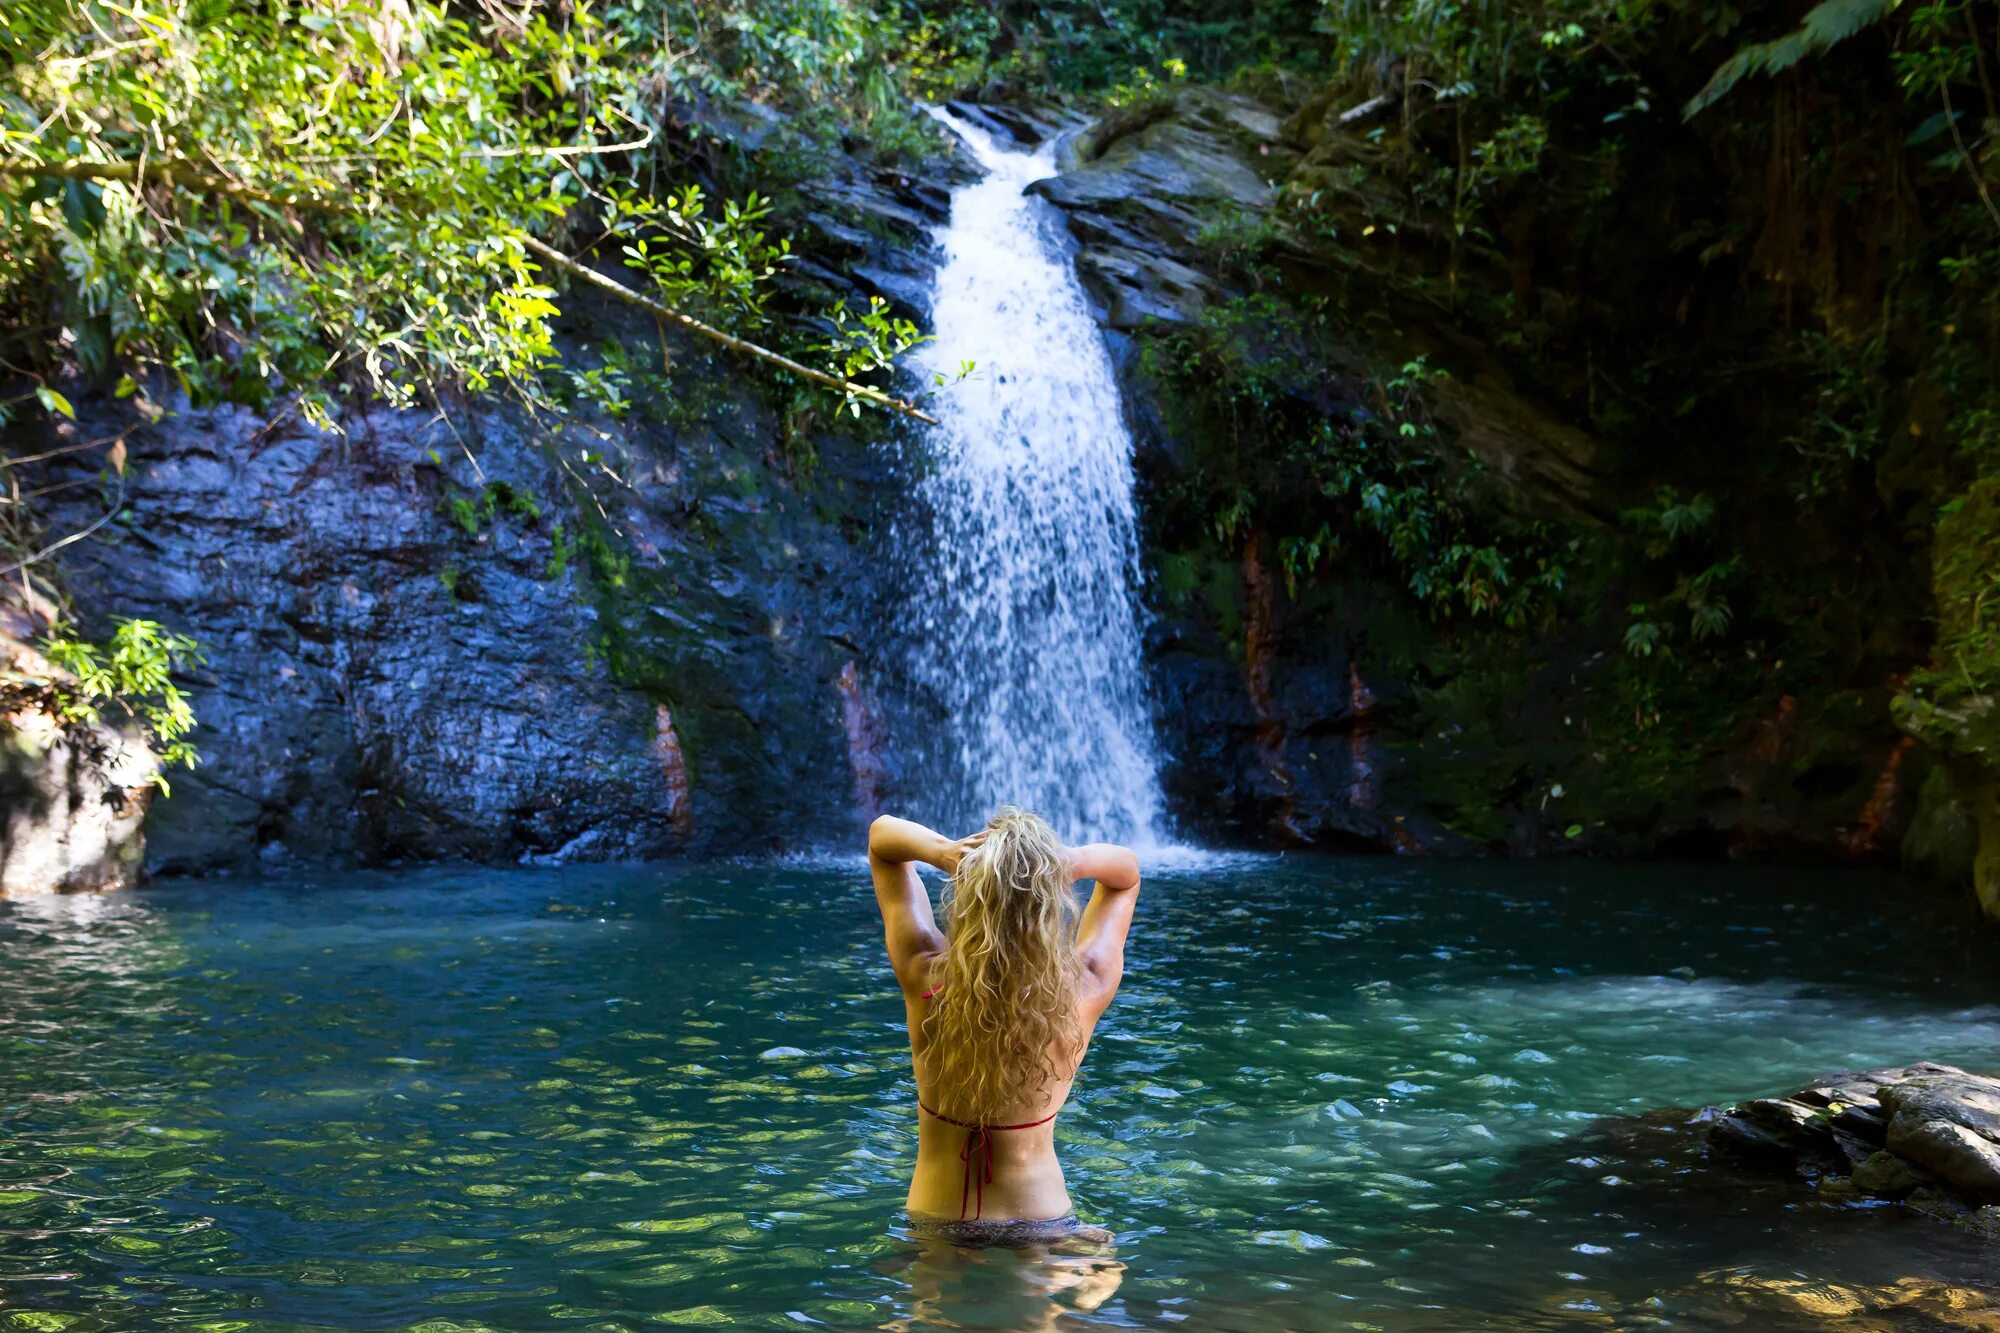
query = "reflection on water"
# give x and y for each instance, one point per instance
(1333, 1094)
(1031, 1290)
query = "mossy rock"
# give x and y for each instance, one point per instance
(1943, 837)
(1955, 703)
(1977, 789)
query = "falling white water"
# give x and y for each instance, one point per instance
(1027, 618)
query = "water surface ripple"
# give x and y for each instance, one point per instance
(1332, 1094)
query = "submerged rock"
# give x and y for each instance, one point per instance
(1733, 1297)
(1928, 1133)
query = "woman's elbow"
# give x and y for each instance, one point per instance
(1130, 867)
(880, 830)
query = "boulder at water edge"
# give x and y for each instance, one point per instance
(73, 795)
(1928, 1133)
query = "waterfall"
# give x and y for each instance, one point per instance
(1024, 625)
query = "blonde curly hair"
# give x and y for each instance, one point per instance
(1002, 1025)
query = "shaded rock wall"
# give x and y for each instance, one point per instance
(1336, 711)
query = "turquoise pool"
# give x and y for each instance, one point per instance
(1334, 1093)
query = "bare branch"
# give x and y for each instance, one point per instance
(1366, 109)
(618, 289)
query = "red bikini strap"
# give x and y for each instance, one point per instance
(967, 1124)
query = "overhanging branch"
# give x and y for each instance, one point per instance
(549, 254)
(192, 176)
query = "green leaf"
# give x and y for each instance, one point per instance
(1934, 125)
(55, 402)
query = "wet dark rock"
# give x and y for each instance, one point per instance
(1950, 1124)
(740, 122)
(1024, 127)
(1926, 1132)
(385, 683)
(1139, 188)
(870, 230)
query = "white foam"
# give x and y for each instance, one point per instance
(1026, 622)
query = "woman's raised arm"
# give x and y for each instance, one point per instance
(908, 929)
(896, 841)
(1100, 936)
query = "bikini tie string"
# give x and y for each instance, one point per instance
(978, 1146)
(977, 1154)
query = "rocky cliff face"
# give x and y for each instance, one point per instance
(491, 639)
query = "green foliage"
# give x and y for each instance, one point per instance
(1781, 317)
(1116, 50)
(1824, 26)
(1848, 405)
(1672, 530)
(562, 551)
(323, 203)
(715, 266)
(134, 672)
(868, 341)
(426, 146)
(495, 498)
(335, 198)
(1499, 56)
(1955, 702)
(736, 48)
(1370, 480)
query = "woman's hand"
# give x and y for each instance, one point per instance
(953, 852)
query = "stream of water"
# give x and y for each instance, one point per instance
(1332, 1094)
(1025, 621)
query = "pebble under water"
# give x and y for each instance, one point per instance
(1332, 1094)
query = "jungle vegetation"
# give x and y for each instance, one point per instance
(1753, 247)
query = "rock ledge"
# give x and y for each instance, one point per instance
(1925, 1133)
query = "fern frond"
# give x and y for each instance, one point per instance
(1826, 25)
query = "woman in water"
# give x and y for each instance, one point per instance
(1000, 1005)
